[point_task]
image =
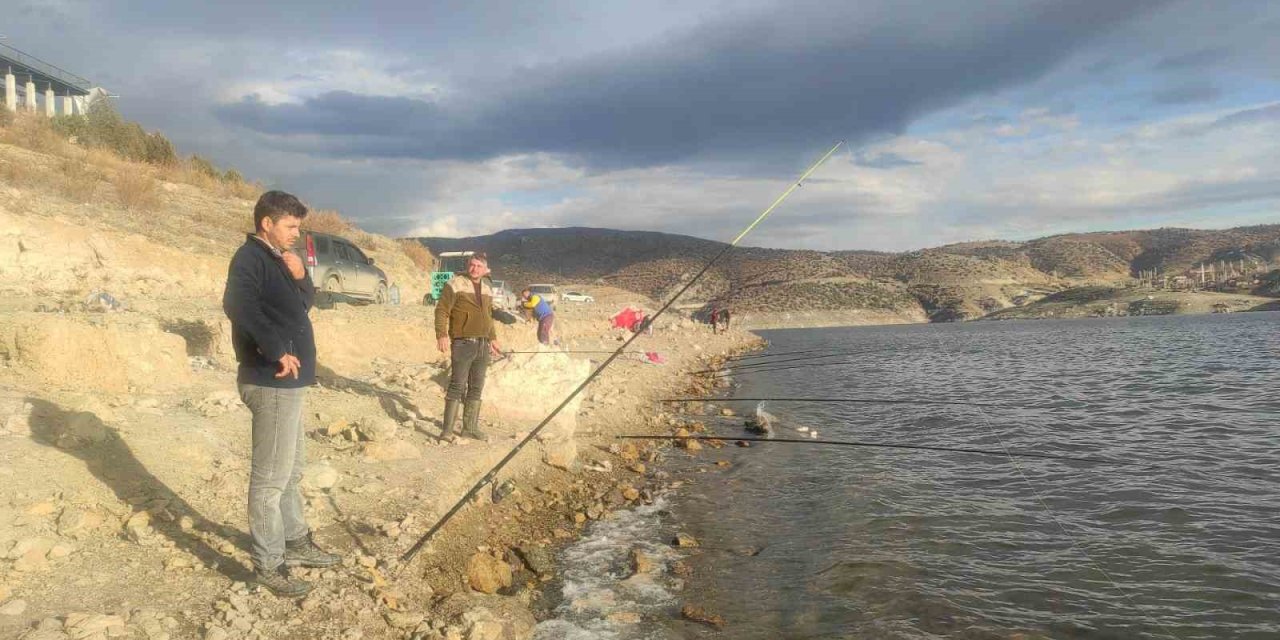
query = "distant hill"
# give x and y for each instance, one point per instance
(952, 282)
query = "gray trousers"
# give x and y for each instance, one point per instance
(279, 455)
(468, 362)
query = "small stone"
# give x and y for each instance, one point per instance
(726, 411)
(368, 562)
(579, 517)
(698, 614)
(640, 562)
(13, 608)
(638, 468)
(684, 540)
(41, 509)
(216, 633)
(138, 526)
(624, 617)
(487, 574)
(319, 475)
(403, 619)
(61, 551)
(377, 429)
(723, 463)
(630, 493)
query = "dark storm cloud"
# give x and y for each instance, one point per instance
(793, 78)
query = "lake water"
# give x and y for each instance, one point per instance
(1179, 539)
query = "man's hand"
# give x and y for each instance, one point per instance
(443, 345)
(495, 348)
(294, 263)
(288, 367)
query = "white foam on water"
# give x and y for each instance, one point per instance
(598, 582)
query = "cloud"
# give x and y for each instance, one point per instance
(1194, 93)
(1198, 59)
(785, 79)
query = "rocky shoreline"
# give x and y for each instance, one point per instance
(127, 519)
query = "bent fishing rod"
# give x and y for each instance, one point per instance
(837, 400)
(489, 476)
(884, 445)
(759, 365)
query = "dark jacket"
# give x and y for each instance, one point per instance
(268, 312)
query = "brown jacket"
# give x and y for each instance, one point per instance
(460, 315)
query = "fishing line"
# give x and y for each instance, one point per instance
(489, 476)
(730, 374)
(771, 355)
(756, 365)
(884, 445)
(838, 400)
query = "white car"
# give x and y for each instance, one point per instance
(574, 296)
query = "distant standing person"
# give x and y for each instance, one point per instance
(465, 331)
(715, 320)
(541, 310)
(267, 298)
(724, 319)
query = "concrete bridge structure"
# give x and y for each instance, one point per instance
(37, 74)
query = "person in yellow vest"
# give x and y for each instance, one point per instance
(465, 331)
(541, 310)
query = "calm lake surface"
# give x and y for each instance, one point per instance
(1179, 539)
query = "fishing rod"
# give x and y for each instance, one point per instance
(728, 374)
(558, 352)
(489, 476)
(883, 445)
(837, 400)
(770, 355)
(757, 365)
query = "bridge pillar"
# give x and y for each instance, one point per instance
(68, 106)
(50, 102)
(10, 92)
(31, 96)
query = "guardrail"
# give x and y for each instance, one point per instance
(38, 66)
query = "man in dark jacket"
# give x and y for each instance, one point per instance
(465, 331)
(267, 298)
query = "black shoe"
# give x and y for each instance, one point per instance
(303, 552)
(279, 582)
(450, 416)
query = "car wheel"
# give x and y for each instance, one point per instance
(381, 295)
(332, 285)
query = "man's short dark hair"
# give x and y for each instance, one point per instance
(479, 255)
(276, 205)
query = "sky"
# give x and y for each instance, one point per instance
(962, 120)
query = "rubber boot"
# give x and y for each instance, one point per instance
(450, 417)
(471, 421)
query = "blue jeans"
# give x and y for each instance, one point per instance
(279, 455)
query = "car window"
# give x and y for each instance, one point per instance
(356, 254)
(342, 250)
(323, 245)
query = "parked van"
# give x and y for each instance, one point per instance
(339, 268)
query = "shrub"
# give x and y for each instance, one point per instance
(325, 221)
(76, 180)
(418, 253)
(136, 190)
(204, 167)
(159, 151)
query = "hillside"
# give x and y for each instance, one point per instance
(952, 282)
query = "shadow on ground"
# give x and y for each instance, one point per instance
(107, 456)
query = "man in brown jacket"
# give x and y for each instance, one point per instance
(465, 330)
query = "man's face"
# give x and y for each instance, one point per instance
(282, 234)
(477, 269)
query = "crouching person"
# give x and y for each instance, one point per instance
(465, 331)
(267, 298)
